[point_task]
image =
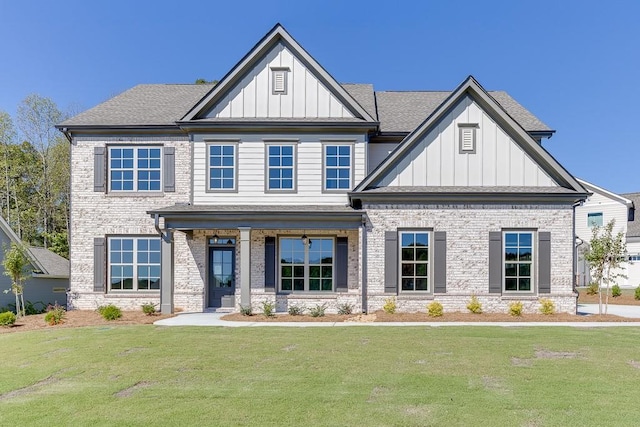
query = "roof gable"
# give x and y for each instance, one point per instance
(606, 193)
(247, 90)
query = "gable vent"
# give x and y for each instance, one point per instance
(467, 142)
(279, 80)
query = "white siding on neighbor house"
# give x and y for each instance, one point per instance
(251, 169)
(498, 160)
(633, 268)
(305, 96)
(610, 209)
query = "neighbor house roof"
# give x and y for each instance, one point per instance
(633, 227)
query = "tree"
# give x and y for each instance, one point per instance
(7, 137)
(205, 81)
(605, 255)
(15, 266)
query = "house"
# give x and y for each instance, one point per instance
(48, 278)
(281, 185)
(633, 243)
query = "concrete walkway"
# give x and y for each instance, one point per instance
(215, 319)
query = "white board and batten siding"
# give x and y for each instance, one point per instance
(498, 160)
(305, 96)
(251, 171)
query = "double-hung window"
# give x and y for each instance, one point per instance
(135, 169)
(414, 260)
(134, 263)
(307, 265)
(281, 168)
(518, 261)
(337, 167)
(222, 167)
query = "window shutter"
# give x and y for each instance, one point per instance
(544, 262)
(440, 262)
(391, 261)
(270, 263)
(99, 169)
(169, 170)
(99, 264)
(495, 262)
(342, 264)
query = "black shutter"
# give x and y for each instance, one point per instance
(495, 262)
(270, 263)
(99, 169)
(544, 262)
(99, 265)
(391, 261)
(342, 264)
(440, 262)
(169, 170)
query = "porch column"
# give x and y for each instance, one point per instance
(245, 266)
(166, 272)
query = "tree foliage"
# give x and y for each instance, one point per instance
(16, 265)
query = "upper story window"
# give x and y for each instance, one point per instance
(594, 219)
(337, 167)
(414, 263)
(518, 261)
(135, 168)
(281, 168)
(134, 263)
(222, 167)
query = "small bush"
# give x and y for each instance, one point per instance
(345, 308)
(547, 306)
(246, 310)
(515, 308)
(110, 312)
(474, 305)
(55, 314)
(434, 309)
(390, 305)
(37, 307)
(7, 318)
(616, 291)
(318, 310)
(149, 309)
(296, 310)
(592, 289)
(637, 294)
(268, 309)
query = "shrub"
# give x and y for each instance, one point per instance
(32, 308)
(296, 310)
(345, 308)
(616, 291)
(474, 305)
(547, 306)
(55, 314)
(246, 310)
(110, 312)
(318, 310)
(7, 318)
(390, 305)
(268, 308)
(515, 308)
(637, 294)
(592, 289)
(149, 309)
(434, 309)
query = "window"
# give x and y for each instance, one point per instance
(337, 167)
(306, 267)
(414, 263)
(594, 219)
(134, 263)
(518, 261)
(222, 170)
(280, 167)
(135, 169)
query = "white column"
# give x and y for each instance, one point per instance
(245, 266)
(166, 273)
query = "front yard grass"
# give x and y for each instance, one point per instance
(351, 376)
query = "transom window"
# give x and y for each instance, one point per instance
(135, 169)
(222, 168)
(280, 170)
(134, 264)
(414, 268)
(337, 167)
(594, 219)
(306, 267)
(518, 261)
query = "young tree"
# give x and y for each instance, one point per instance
(605, 255)
(15, 266)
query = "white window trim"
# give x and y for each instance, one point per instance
(430, 266)
(208, 146)
(134, 264)
(325, 145)
(534, 262)
(306, 290)
(135, 149)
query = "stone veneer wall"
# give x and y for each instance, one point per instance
(467, 228)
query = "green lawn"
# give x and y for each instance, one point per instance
(338, 376)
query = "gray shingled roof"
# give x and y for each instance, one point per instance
(404, 111)
(364, 95)
(51, 263)
(633, 227)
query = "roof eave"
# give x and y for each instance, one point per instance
(190, 126)
(469, 197)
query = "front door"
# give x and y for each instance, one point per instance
(222, 276)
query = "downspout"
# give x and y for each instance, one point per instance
(363, 250)
(156, 224)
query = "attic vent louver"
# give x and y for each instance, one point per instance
(279, 80)
(467, 142)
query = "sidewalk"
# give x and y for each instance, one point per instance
(215, 319)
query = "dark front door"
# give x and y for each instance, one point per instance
(222, 276)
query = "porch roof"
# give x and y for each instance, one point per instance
(194, 217)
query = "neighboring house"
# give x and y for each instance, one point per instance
(280, 184)
(48, 279)
(633, 243)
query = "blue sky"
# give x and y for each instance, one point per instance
(574, 64)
